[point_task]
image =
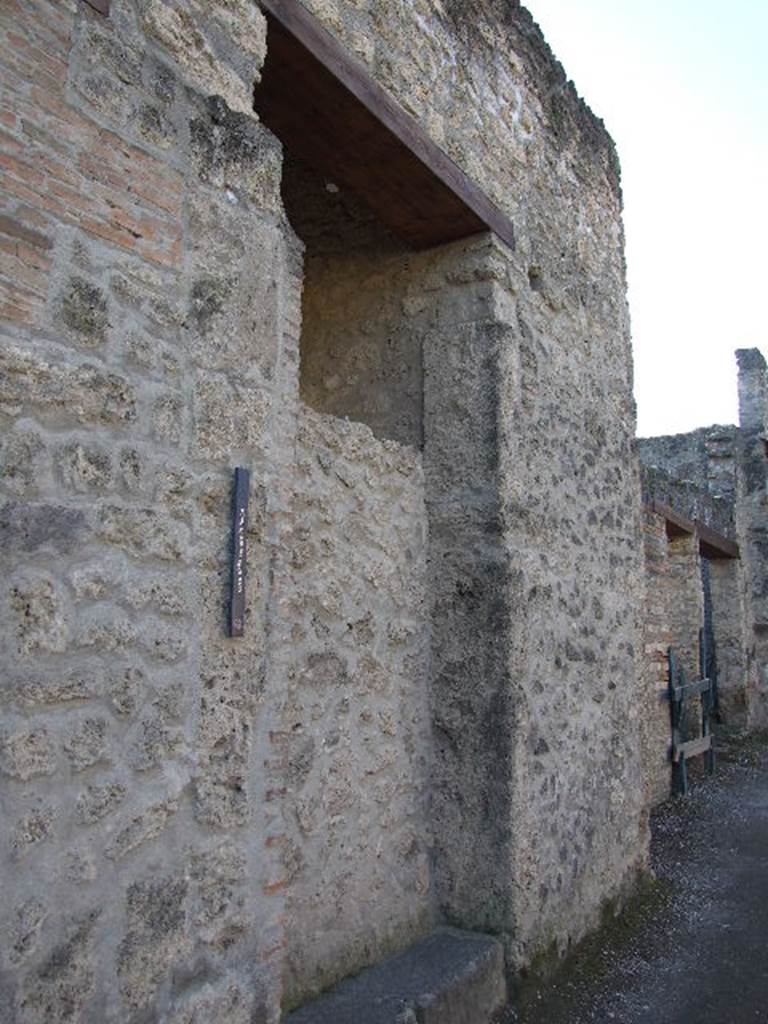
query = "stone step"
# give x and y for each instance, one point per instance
(451, 977)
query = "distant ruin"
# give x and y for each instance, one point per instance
(373, 253)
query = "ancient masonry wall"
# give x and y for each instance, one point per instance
(752, 514)
(535, 531)
(443, 653)
(140, 229)
(657, 638)
(718, 475)
(355, 705)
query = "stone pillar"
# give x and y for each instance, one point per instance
(732, 636)
(752, 514)
(686, 601)
(657, 638)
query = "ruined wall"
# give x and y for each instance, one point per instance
(355, 707)
(657, 638)
(139, 227)
(717, 475)
(706, 458)
(361, 350)
(190, 800)
(532, 491)
(752, 513)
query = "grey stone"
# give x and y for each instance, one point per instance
(27, 752)
(452, 977)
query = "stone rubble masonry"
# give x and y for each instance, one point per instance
(433, 714)
(718, 475)
(139, 229)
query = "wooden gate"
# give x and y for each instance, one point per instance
(680, 696)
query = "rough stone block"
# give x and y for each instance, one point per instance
(58, 991)
(84, 393)
(145, 531)
(84, 311)
(96, 802)
(86, 743)
(24, 461)
(28, 920)
(226, 1000)
(451, 977)
(32, 828)
(155, 937)
(25, 753)
(39, 614)
(141, 828)
(27, 528)
(85, 467)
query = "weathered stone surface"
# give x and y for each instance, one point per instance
(141, 828)
(84, 311)
(226, 1000)
(27, 752)
(87, 743)
(28, 528)
(451, 977)
(154, 939)
(83, 393)
(39, 614)
(95, 802)
(438, 588)
(59, 989)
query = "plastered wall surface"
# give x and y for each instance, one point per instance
(433, 714)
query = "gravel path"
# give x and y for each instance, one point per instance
(695, 950)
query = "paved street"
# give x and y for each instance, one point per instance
(697, 951)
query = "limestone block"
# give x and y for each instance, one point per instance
(58, 990)
(97, 801)
(145, 532)
(27, 752)
(141, 828)
(39, 615)
(86, 743)
(84, 393)
(28, 528)
(32, 828)
(83, 309)
(222, 58)
(27, 923)
(155, 937)
(233, 151)
(84, 467)
(23, 461)
(226, 1000)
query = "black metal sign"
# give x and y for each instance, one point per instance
(239, 553)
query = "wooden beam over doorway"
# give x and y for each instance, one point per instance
(329, 112)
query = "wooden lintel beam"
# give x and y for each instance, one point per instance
(329, 112)
(712, 544)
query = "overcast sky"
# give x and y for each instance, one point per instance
(682, 86)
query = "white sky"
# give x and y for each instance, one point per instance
(682, 86)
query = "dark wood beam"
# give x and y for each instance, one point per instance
(712, 544)
(329, 112)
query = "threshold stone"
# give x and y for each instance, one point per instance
(451, 977)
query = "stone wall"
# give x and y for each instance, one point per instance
(752, 514)
(139, 227)
(355, 704)
(657, 639)
(718, 475)
(433, 714)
